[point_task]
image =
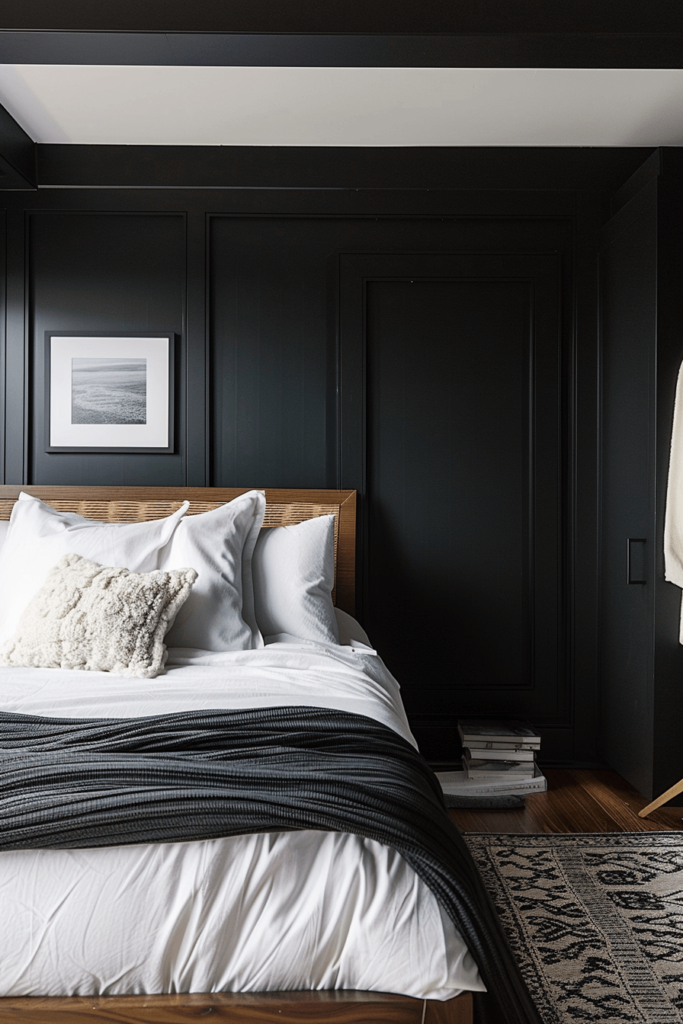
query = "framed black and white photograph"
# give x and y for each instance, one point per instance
(108, 393)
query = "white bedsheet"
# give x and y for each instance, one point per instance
(281, 911)
(281, 674)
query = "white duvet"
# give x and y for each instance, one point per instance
(272, 912)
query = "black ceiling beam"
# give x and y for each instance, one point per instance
(345, 16)
(17, 155)
(514, 50)
(330, 167)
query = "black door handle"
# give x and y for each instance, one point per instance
(636, 561)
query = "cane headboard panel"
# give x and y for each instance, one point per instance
(137, 504)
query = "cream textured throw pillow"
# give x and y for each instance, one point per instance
(90, 616)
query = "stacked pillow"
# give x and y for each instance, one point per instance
(293, 571)
(249, 583)
(39, 536)
(219, 615)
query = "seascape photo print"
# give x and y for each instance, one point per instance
(108, 390)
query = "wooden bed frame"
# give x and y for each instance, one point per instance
(130, 504)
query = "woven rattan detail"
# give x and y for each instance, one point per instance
(6, 509)
(277, 514)
(284, 514)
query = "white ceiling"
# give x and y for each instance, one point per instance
(286, 106)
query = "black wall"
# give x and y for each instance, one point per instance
(628, 273)
(641, 659)
(432, 342)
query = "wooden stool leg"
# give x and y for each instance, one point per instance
(663, 799)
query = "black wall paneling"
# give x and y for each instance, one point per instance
(104, 272)
(641, 659)
(271, 317)
(648, 171)
(197, 397)
(16, 406)
(270, 351)
(628, 288)
(17, 155)
(451, 428)
(462, 405)
(3, 335)
(668, 696)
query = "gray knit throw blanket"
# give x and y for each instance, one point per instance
(68, 783)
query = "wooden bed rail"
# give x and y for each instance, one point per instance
(239, 1008)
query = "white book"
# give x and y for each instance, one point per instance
(477, 731)
(498, 769)
(477, 753)
(457, 784)
(486, 744)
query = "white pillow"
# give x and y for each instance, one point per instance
(4, 526)
(350, 629)
(219, 613)
(293, 571)
(39, 535)
(99, 618)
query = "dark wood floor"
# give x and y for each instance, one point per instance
(576, 801)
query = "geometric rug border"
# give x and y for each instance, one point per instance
(595, 920)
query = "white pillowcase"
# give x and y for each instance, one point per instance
(39, 535)
(4, 526)
(293, 569)
(219, 613)
(350, 629)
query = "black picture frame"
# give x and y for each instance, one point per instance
(167, 386)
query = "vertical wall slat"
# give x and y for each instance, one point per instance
(16, 376)
(3, 335)
(195, 354)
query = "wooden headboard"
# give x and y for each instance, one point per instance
(138, 504)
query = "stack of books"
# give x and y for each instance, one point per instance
(498, 750)
(499, 758)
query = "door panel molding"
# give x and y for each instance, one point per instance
(541, 689)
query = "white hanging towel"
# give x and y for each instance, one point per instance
(673, 519)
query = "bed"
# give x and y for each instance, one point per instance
(349, 683)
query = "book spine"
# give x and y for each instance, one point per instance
(532, 743)
(508, 788)
(500, 754)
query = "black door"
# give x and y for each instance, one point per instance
(451, 430)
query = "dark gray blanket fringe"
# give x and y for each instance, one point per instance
(68, 783)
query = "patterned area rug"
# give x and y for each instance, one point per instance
(595, 921)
